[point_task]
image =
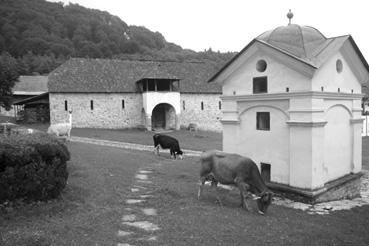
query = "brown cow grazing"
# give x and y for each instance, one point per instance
(233, 169)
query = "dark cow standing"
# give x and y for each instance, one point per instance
(167, 142)
(233, 169)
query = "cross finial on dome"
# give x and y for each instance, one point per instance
(289, 16)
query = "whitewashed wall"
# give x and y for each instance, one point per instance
(207, 119)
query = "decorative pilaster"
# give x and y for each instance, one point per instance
(148, 122)
(178, 121)
(357, 125)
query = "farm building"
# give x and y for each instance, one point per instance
(292, 102)
(131, 93)
(25, 88)
(33, 109)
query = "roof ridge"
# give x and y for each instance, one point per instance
(317, 31)
(302, 40)
(306, 61)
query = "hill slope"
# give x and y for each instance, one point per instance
(42, 34)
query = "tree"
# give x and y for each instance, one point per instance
(8, 77)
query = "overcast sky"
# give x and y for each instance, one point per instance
(229, 25)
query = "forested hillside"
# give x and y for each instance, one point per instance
(41, 35)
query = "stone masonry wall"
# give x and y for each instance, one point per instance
(207, 119)
(107, 109)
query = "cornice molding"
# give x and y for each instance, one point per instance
(289, 95)
(230, 111)
(306, 110)
(230, 122)
(356, 121)
(307, 123)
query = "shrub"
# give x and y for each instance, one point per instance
(32, 167)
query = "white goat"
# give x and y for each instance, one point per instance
(61, 129)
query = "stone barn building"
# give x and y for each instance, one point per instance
(131, 93)
(292, 102)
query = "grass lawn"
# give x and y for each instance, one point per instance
(187, 221)
(90, 210)
(200, 140)
(91, 207)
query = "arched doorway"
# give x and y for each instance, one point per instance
(163, 117)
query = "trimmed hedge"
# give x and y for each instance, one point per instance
(32, 167)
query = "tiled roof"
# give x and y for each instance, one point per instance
(30, 85)
(303, 43)
(300, 41)
(103, 75)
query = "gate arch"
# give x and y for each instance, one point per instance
(163, 117)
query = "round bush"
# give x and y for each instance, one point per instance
(32, 167)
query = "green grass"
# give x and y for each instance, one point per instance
(90, 209)
(187, 221)
(200, 140)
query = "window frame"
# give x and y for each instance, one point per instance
(256, 81)
(259, 118)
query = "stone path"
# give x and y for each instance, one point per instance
(135, 223)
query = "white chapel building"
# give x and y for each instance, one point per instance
(292, 102)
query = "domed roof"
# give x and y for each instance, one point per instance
(300, 41)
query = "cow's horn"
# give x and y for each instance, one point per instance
(262, 213)
(256, 198)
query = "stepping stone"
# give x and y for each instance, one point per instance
(152, 238)
(139, 187)
(145, 181)
(144, 225)
(144, 172)
(129, 217)
(124, 244)
(135, 190)
(134, 201)
(141, 176)
(124, 233)
(149, 211)
(146, 196)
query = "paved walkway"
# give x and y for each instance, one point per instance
(125, 145)
(137, 223)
